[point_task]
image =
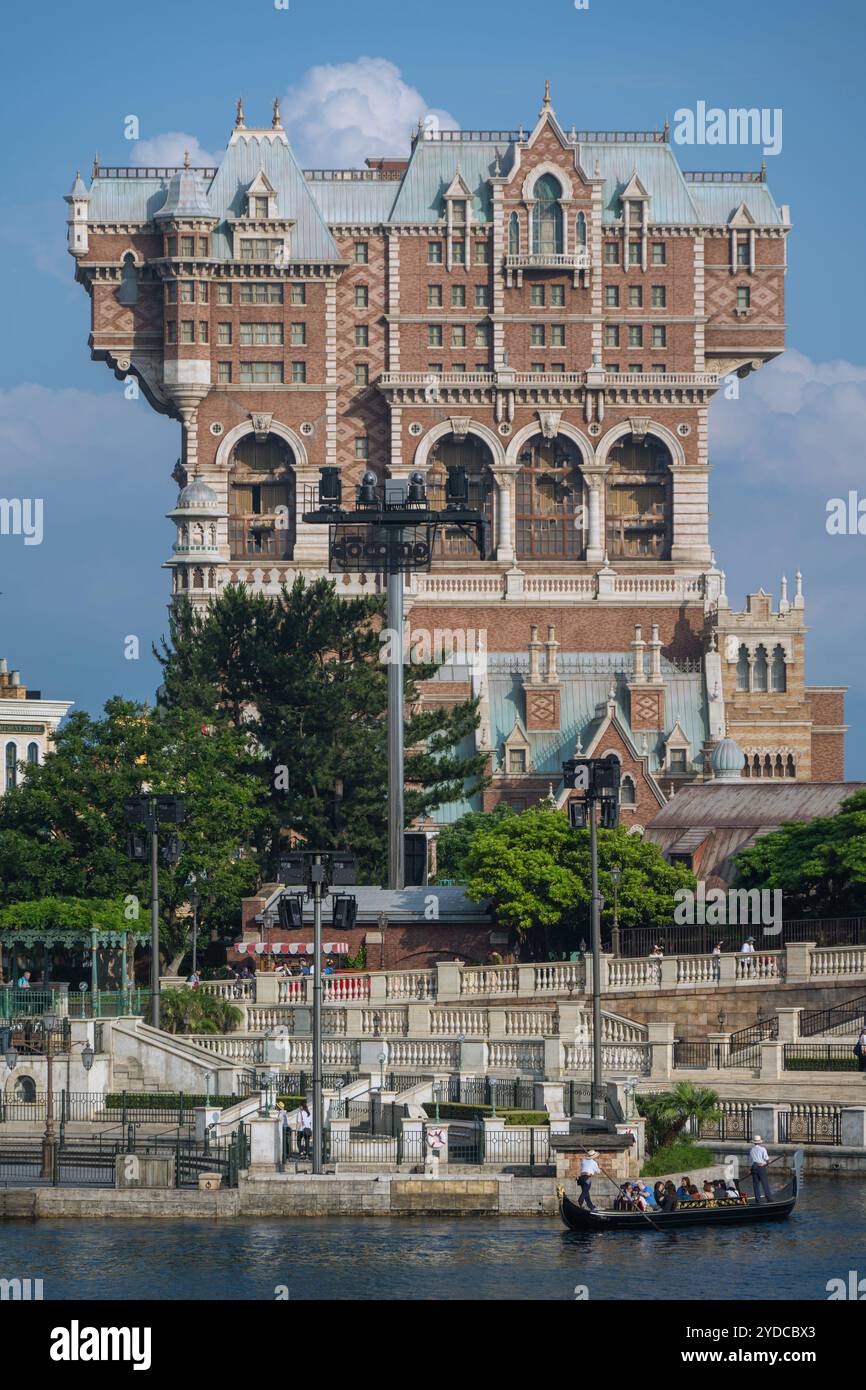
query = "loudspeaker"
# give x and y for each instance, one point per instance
(345, 910)
(577, 815)
(290, 908)
(292, 869)
(344, 869)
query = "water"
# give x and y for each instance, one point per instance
(473, 1258)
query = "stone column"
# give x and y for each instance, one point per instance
(798, 956)
(765, 1121)
(447, 981)
(771, 1062)
(853, 1130)
(690, 521)
(553, 1058)
(660, 1037)
(504, 514)
(595, 540)
(789, 1024)
(265, 1145)
(311, 542)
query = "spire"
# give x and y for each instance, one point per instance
(545, 106)
(186, 159)
(95, 171)
(667, 131)
(239, 117)
(276, 123)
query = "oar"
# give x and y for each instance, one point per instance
(618, 1187)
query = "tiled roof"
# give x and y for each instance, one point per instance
(243, 159)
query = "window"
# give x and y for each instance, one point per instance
(658, 255)
(434, 335)
(458, 212)
(635, 335)
(298, 294)
(536, 294)
(743, 669)
(536, 334)
(516, 760)
(482, 335)
(299, 373)
(481, 252)
(362, 252)
(262, 334)
(634, 253)
(635, 296)
(458, 252)
(580, 231)
(659, 297)
(482, 296)
(744, 297)
(547, 217)
(627, 791)
(537, 367)
(434, 253)
(759, 670)
(224, 334)
(742, 249)
(458, 368)
(779, 676)
(513, 235)
(557, 295)
(677, 759)
(224, 294)
(434, 368)
(458, 335)
(171, 331)
(557, 335)
(259, 206)
(260, 248)
(611, 296)
(362, 335)
(33, 754)
(187, 291)
(171, 243)
(660, 335)
(658, 367)
(362, 296)
(638, 497)
(556, 367)
(202, 292)
(11, 766)
(261, 479)
(434, 296)
(262, 292)
(203, 245)
(127, 292)
(362, 374)
(548, 495)
(264, 373)
(362, 447)
(187, 331)
(481, 366)
(635, 368)
(611, 253)
(298, 334)
(458, 296)
(171, 292)
(203, 331)
(611, 335)
(224, 373)
(187, 246)
(613, 366)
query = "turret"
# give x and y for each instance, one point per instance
(78, 199)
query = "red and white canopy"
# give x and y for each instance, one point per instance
(290, 948)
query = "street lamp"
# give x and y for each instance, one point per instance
(49, 1141)
(437, 1091)
(615, 878)
(382, 1059)
(492, 1084)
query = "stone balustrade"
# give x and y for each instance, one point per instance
(840, 963)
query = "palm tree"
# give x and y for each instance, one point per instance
(196, 1011)
(669, 1112)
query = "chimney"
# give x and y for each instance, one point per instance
(534, 655)
(637, 646)
(552, 647)
(655, 647)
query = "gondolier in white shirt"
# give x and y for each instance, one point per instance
(588, 1169)
(758, 1161)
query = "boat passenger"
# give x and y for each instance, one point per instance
(670, 1201)
(659, 1194)
(684, 1189)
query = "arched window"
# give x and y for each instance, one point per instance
(790, 770)
(778, 676)
(627, 791)
(128, 291)
(198, 578)
(11, 766)
(778, 769)
(33, 754)
(768, 766)
(580, 231)
(743, 669)
(756, 766)
(25, 1090)
(549, 512)
(759, 676)
(261, 481)
(513, 235)
(638, 499)
(547, 217)
(211, 578)
(747, 766)
(473, 455)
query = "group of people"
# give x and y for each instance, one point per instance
(303, 1129)
(666, 1196)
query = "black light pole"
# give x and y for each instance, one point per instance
(317, 874)
(148, 811)
(615, 877)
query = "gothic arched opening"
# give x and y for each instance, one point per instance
(262, 518)
(550, 511)
(639, 498)
(475, 456)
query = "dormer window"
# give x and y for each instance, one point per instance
(259, 206)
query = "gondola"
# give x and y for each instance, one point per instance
(718, 1212)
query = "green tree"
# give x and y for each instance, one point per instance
(668, 1112)
(819, 865)
(452, 844)
(197, 1011)
(301, 673)
(536, 871)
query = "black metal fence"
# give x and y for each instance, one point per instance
(810, 1124)
(838, 1019)
(799, 1056)
(734, 1122)
(91, 1162)
(513, 1094)
(700, 940)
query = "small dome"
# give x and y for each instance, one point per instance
(727, 761)
(185, 196)
(197, 493)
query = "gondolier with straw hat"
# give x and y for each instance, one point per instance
(588, 1168)
(758, 1162)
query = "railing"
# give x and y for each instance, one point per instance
(424, 1052)
(634, 974)
(23, 1003)
(292, 990)
(798, 1056)
(452, 1023)
(411, 984)
(560, 978)
(489, 979)
(547, 260)
(149, 171)
(516, 1056)
(734, 1122)
(229, 989)
(345, 989)
(724, 176)
(230, 1045)
(615, 1057)
(837, 1019)
(760, 966)
(824, 963)
(810, 1124)
(381, 1023)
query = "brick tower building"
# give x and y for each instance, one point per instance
(553, 308)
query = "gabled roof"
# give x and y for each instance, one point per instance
(250, 152)
(432, 169)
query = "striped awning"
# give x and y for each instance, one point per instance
(290, 948)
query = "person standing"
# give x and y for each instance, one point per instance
(748, 947)
(304, 1130)
(284, 1129)
(860, 1049)
(588, 1170)
(758, 1162)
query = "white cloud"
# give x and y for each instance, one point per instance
(341, 113)
(168, 150)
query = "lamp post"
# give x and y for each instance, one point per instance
(615, 878)
(382, 1059)
(49, 1140)
(492, 1083)
(437, 1091)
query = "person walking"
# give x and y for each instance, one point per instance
(588, 1170)
(860, 1049)
(758, 1162)
(304, 1130)
(284, 1128)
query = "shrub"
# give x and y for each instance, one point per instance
(819, 1064)
(451, 1110)
(680, 1157)
(164, 1100)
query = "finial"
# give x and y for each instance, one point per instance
(546, 106)
(497, 166)
(667, 130)
(95, 173)
(763, 171)
(239, 117)
(186, 159)
(598, 169)
(276, 120)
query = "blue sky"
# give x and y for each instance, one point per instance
(102, 464)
